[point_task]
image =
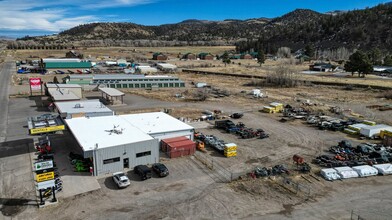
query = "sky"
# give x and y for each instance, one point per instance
(19, 18)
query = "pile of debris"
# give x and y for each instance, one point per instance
(330, 123)
(219, 93)
(273, 171)
(344, 154)
(240, 129)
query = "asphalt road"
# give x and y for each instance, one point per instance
(5, 79)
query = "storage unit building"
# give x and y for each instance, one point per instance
(160, 125)
(125, 81)
(113, 143)
(86, 108)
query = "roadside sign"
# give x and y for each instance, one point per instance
(35, 83)
(43, 165)
(44, 171)
(47, 129)
(45, 176)
(46, 184)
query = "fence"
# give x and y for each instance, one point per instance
(222, 173)
(294, 186)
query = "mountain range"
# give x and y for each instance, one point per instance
(357, 29)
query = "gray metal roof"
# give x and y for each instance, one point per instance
(82, 106)
(111, 91)
(63, 95)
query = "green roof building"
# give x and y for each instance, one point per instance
(67, 65)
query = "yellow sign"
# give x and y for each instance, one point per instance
(47, 129)
(45, 176)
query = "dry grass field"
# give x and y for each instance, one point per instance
(120, 52)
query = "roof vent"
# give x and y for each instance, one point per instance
(79, 105)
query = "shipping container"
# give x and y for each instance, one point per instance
(181, 148)
(165, 142)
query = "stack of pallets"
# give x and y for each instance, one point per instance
(230, 150)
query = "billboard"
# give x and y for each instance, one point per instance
(35, 83)
(46, 184)
(43, 165)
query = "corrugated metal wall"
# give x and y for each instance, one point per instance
(123, 152)
(185, 133)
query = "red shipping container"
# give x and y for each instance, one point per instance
(165, 142)
(181, 148)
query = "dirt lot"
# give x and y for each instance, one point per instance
(193, 191)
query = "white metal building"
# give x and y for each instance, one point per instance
(85, 108)
(160, 125)
(113, 143)
(74, 88)
(125, 141)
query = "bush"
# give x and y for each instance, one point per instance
(283, 77)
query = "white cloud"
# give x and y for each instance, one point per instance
(54, 15)
(116, 3)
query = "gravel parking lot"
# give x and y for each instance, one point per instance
(192, 190)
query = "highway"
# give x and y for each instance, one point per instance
(5, 80)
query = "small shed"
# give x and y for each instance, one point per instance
(384, 169)
(112, 95)
(346, 172)
(85, 108)
(329, 174)
(365, 170)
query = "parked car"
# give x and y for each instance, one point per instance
(121, 179)
(160, 169)
(143, 171)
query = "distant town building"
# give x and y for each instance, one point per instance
(206, 56)
(246, 56)
(159, 56)
(189, 56)
(73, 54)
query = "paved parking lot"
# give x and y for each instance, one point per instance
(16, 179)
(74, 183)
